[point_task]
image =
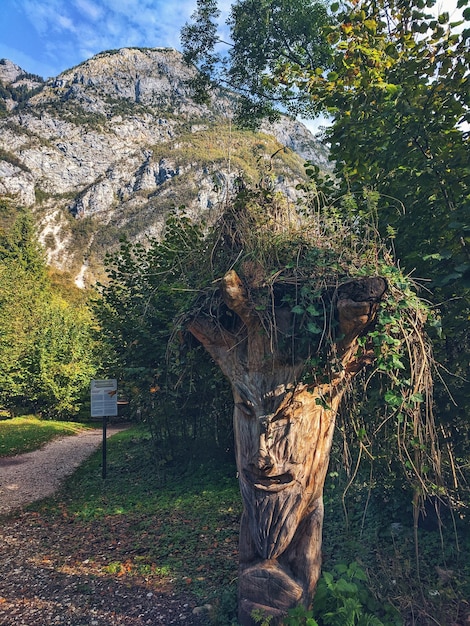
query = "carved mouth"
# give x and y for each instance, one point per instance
(264, 482)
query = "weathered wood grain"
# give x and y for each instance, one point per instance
(283, 434)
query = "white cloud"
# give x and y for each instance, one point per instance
(90, 10)
(70, 31)
(41, 14)
(66, 23)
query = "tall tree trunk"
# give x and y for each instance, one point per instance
(283, 434)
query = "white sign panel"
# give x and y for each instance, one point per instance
(104, 398)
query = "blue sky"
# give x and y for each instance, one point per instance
(46, 37)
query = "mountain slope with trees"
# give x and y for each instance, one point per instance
(108, 147)
(47, 354)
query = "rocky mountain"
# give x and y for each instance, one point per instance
(15, 85)
(108, 147)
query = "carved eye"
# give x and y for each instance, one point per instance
(246, 409)
(283, 421)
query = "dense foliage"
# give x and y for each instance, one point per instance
(171, 386)
(395, 84)
(46, 348)
(292, 257)
(399, 96)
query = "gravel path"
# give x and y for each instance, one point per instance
(55, 572)
(33, 476)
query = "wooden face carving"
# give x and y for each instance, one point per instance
(283, 434)
(279, 436)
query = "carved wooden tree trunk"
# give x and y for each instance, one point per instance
(283, 435)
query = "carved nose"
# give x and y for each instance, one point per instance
(264, 459)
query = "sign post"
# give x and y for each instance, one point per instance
(104, 404)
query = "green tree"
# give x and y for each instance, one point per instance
(396, 87)
(63, 359)
(47, 355)
(393, 78)
(18, 240)
(398, 93)
(22, 284)
(18, 323)
(262, 35)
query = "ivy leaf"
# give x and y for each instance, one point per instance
(393, 399)
(313, 328)
(312, 310)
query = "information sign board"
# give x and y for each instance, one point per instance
(104, 398)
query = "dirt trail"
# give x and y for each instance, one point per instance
(33, 476)
(58, 574)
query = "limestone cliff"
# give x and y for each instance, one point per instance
(105, 149)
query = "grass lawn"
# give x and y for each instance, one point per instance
(24, 434)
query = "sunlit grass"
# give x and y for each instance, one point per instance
(244, 150)
(24, 434)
